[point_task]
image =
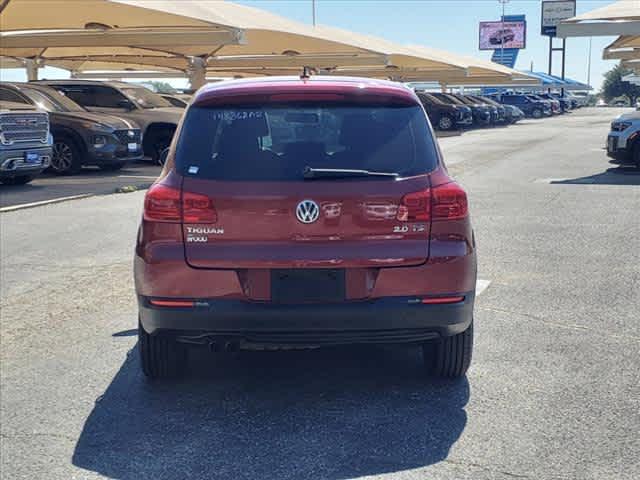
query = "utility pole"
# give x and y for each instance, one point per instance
(313, 12)
(589, 63)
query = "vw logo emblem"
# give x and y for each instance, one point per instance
(307, 211)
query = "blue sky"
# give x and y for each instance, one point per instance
(445, 24)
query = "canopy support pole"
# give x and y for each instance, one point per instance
(197, 73)
(31, 66)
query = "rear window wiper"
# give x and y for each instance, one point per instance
(313, 173)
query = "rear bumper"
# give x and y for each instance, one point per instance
(384, 320)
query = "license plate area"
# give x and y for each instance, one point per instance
(32, 158)
(301, 285)
(611, 144)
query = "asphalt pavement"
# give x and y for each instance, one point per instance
(553, 391)
(90, 181)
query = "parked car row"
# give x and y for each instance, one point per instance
(448, 111)
(538, 105)
(105, 124)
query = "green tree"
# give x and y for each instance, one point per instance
(614, 86)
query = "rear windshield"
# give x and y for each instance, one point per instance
(273, 142)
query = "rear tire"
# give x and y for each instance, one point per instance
(160, 355)
(450, 357)
(537, 113)
(20, 180)
(162, 159)
(158, 145)
(636, 154)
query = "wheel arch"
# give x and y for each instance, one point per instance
(73, 135)
(153, 130)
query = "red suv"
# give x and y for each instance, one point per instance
(304, 212)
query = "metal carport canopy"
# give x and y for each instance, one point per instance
(619, 18)
(626, 47)
(402, 62)
(551, 81)
(161, 33)
(241, 37)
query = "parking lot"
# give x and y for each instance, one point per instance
(91, 181)
(553, 391)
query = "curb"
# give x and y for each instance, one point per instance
(24, 206)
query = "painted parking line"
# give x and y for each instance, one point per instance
(44, 202)
(481, 286)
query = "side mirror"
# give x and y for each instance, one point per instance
(126, 104)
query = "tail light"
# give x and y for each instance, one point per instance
(445, 202)
(449, 202)
(167, 204)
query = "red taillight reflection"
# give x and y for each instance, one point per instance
(445, 202)
(164, 204)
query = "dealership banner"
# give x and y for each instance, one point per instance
(553, 12)
(499, 35)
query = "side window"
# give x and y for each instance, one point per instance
(7, 95)
(93, 95)
(78, 94)
(107, 97)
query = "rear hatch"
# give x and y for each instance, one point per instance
(308, 184)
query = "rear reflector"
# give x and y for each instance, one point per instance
(438, 300)
(166, 204)
(171, 303)
(445, 202)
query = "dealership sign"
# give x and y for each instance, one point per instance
(553, 12)
(502, 35)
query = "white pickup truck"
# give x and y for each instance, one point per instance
(25, 143)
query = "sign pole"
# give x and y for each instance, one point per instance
(554, 12)
(564, 49)
(550, 53)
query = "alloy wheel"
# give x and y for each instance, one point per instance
(62, 157)
(445, 123)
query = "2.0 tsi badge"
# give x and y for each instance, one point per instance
(307, 211)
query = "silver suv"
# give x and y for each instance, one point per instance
(623, 142)
(25, 143)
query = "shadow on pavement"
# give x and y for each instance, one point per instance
(611, 176)
(334, 413)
